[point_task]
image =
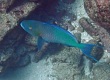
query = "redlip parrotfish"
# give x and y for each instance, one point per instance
(54, 34)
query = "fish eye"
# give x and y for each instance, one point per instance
(30, 28)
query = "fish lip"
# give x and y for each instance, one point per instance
(21, 24)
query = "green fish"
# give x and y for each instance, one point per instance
(54, 34)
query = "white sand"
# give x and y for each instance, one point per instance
(34, 71)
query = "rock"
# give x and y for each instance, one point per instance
(66, 56)
(24, 49)
(95, 30)
(67, 26)
(66, 71)
(30, 40)
(91, 30)
(99, 11)
(65, 64)
(4, 5)
(78, 36)
(101, 72)
(105, 38)
(23, 10)
(39, 54)
(9, 20)
(8, 46)
(11, 35)
(80, 29)
(24, 60)
(97, 51)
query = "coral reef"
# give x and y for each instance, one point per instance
(11, 35)
(57, 62)
(88, 27)
(100, 69)
(4, 5)
(65, 60)
(99, 72)
(9, 20)
(95, 30)
(99, 11)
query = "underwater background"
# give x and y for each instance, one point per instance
(88, 20)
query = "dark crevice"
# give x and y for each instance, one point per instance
(45, 12)
(9, 44)
(16, 3)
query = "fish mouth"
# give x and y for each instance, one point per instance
(21, 24)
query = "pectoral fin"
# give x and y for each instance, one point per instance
(42, 46)
(40, 42)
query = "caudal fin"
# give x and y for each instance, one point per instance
(86, 49)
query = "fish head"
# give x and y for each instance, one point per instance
(28, 26)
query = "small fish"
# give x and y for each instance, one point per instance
(52, 33)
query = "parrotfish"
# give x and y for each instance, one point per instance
(55, 34)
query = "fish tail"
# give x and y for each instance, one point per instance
(86, 49)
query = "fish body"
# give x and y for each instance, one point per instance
(54, 34)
